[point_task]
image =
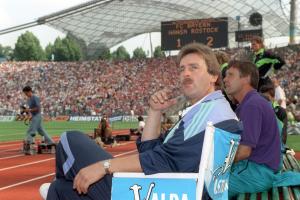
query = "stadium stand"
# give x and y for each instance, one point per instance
(95, 87)
(87, 88)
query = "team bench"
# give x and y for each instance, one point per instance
(280, 193)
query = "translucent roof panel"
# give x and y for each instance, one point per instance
(114, 21)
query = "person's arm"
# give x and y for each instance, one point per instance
(95, 172)
(282, 116)
(151, 129)
(243, 152)
(37, 106)
(251, 117)
(280, 95)
(92, 173)
(158, 102)
(277, 61)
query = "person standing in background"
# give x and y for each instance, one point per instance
(264, 60)
(279, 93)
(36, 122)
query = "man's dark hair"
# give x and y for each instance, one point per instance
(246, 68)
(27, 89)
(268, 88)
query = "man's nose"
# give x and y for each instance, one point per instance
(186, 72)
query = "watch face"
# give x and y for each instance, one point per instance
(106, 164)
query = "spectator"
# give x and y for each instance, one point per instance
(257, 160)
(105, 130)
(269, 92)
(223, 59)
(90, 171)
(264, 60)
(166, 123)
(279, 93)
(114, 88)
(141, 125)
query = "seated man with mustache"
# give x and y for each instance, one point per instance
(84, 171)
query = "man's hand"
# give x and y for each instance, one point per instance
(243, 152)
(161, 100)
(87, 176)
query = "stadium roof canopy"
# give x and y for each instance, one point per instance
(113, 21)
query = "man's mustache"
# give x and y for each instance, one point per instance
(187, 81)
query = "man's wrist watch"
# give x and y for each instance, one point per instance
(106, 166)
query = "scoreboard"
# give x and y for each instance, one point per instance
(212, 32)
(246, 35)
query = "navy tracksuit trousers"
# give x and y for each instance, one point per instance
(74, 152)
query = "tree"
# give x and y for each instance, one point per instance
(49, 50)
(73, 48)
(60, 51)
(66, 50)
(6, 51)
(28, 48)
(121, 54)
(158, 53)
(104, 53)
(139, 53)
(81, 44)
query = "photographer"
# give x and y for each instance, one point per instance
(36, 122)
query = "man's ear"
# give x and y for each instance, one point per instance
(246, 80)
(214, 78)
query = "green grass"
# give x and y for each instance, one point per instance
(293, 141)
(10, 131)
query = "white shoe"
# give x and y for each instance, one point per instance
(44, 190)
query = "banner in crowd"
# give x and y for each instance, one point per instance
(85, 118)
(129, 118)
(7, 118)
(125, 118)
(93, 118)
(114, 119)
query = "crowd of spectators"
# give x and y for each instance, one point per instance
(114, 88)
(87, 88)
(288, 75)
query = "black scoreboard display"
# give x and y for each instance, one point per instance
(212, 32)
(246, 35)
